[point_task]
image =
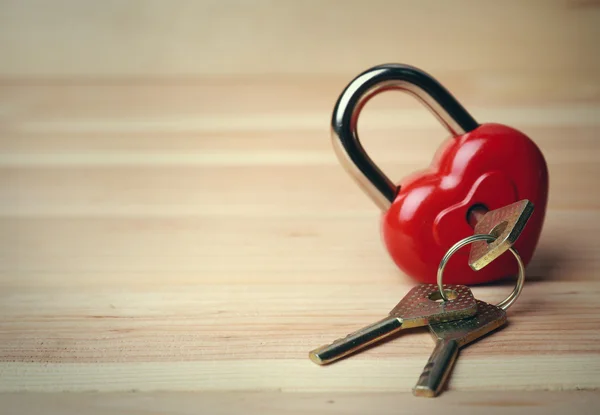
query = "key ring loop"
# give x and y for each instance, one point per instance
(508, 301)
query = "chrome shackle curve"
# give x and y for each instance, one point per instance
(378, 79)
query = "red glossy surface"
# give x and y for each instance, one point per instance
(493, 165)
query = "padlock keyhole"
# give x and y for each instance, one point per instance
(475, 213)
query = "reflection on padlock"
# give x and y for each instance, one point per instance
(480, 167)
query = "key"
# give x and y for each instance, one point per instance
(506, 224)
(421, 306)
(450, 337)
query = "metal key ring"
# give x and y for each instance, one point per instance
(508, 301)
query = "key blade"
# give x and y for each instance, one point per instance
(438, 368)
(488, 318)
(450, 337)
(506, 224)
(355, 341)
(424, 305)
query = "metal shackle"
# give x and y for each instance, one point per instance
(347, 109)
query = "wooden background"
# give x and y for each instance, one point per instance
(178, 234)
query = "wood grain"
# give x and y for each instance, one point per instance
(175, 222)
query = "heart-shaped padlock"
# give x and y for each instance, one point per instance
(480, 167)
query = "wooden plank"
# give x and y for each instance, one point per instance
(263, 248)
(168, 190)
(129, 330)
(180, 403)
(242, 103)
(390, 145)
(88, 38)
(359, 376)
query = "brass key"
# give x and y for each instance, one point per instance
(506, 224)
(421, 306)
(450, 337)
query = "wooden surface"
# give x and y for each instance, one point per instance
(175, 222)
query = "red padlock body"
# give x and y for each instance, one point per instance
(493, 165)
